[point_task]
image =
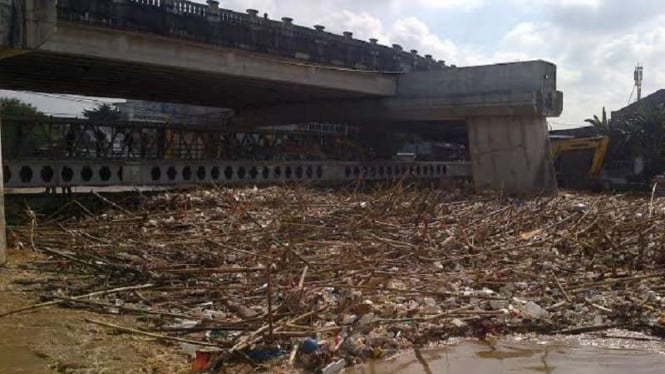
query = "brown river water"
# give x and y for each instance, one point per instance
(593, 356)
(597, 357)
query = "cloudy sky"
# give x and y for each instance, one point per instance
(595, 43)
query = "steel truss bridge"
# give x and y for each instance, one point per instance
(67, 152)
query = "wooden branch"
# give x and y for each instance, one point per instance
(60, 301)
(150, 334)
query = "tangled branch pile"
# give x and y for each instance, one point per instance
(254, 272)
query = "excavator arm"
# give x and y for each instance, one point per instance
(578, 161)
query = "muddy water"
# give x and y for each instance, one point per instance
(21, 360)
(54, 340)
(594, 357)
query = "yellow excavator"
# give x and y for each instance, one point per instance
(578, 161)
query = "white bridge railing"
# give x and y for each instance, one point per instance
(44, 173)
(179, 6)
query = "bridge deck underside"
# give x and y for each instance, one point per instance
(56, 73)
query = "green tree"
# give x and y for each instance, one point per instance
(20, 127)
(14, 108)
(102, 113)
(601, 124)
(639, 135)
(647, 133)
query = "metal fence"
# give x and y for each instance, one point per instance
(27, 138)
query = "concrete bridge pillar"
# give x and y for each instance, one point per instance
(511, 154)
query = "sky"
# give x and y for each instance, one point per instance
(595, 43)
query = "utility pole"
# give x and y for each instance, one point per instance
(3, 237)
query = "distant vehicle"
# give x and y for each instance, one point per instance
(405, 156)
(626, 175)
(434, 151)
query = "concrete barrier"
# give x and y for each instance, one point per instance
(79, 173)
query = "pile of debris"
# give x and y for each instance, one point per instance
(323, 280)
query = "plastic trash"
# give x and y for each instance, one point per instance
(367, 318)
(202, 360)
(189, 349)
(334, 367)
(458, 323)
(216, 335)
(309, 345)
(265, 354)
(349, 319)
(184, 324)
(598, 320)
(534, 311)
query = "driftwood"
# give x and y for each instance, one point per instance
(81, 297)
(150, 334)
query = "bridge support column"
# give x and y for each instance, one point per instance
(511, 154)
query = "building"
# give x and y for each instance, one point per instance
(645, 104)
(578, 132)
(148, 111)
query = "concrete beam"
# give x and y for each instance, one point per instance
(393, 110)
(484, 86)
(26, 24)
(511, 154)
(146, 49)
(515, 89)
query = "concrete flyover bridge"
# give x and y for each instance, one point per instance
(275, 72)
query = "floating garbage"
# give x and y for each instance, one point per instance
(261, 355)
(334, 367)
(353, 275)
(309, 346)
(534, 311)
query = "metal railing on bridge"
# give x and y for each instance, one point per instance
(26, 138)
(212, 25)
(59, 152)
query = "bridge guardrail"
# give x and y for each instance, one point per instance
(213, 25)
(71, 173)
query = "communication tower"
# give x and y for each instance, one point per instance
(639, 75)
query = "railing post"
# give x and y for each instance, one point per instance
(168, 5)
